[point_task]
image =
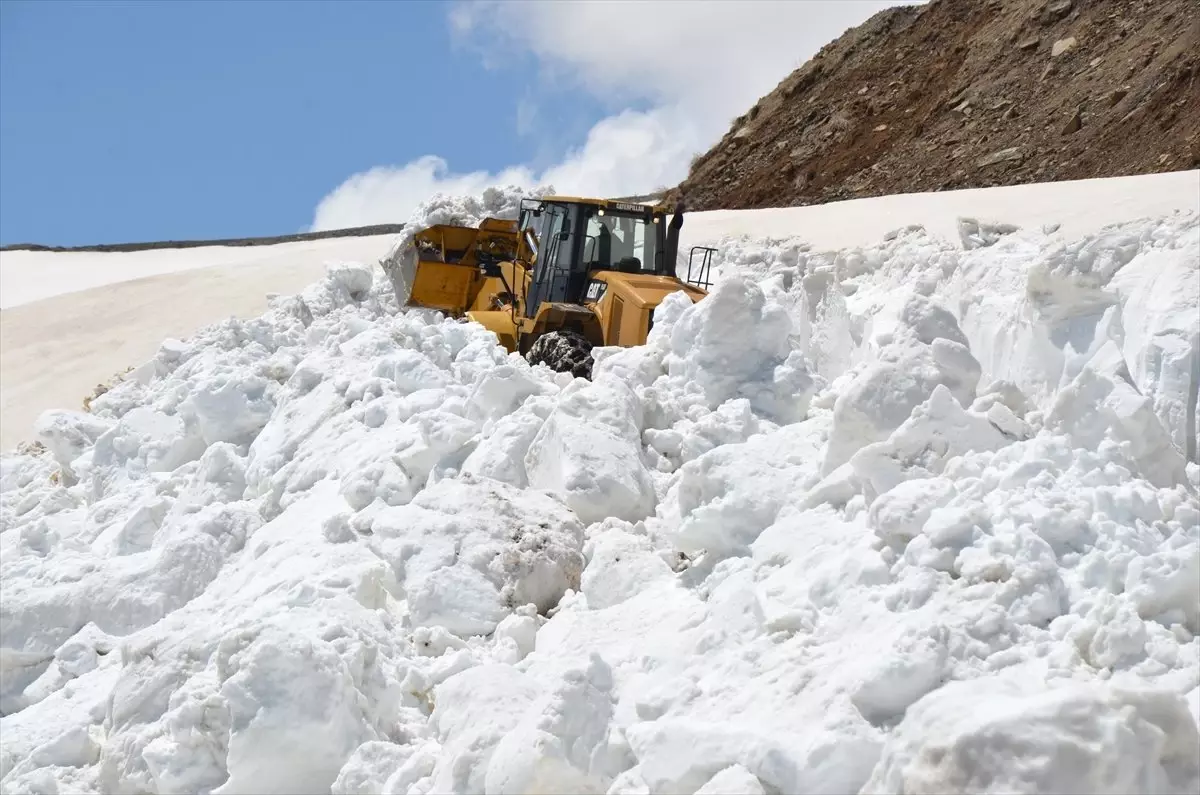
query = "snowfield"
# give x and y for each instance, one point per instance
(913, 516)
(72, 320)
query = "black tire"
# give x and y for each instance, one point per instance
(563, 352)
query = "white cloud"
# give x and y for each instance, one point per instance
(388, 194)
(698, 65)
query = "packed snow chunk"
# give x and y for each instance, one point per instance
(1100, 403)
(520, 630)
(726, 497)
(1171, 367)
(73, 748)
(733, 780)
(69, 434)
(757, 363)
(500, 454)
(469, 550)
(733, 422)
(142, 442)
(589, 452)
(938, 430)
(220, 477)
(229, 408)
(621, 563)
(679, 755)
(474, 710)
(53, 596)
(369, 767)
(1001, 392)
(899, 513)
(905, 319)
(353, 278)
(410, 370)
(313, 401)
(823, 324)
(561, 742)
(502, 390)
(295, 715)
(883, 395)
(78, 656)
(458, 598)
(1165, 585)
(893, 681)
(1024, 734)
(980, 234)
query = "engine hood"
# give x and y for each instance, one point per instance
(646, 291)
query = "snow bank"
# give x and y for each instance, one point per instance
(906, 517)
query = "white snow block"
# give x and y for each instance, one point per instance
(589, 453)
(474, 710)
(1170, 364)
(733, 780)
(883, 396)
(938, 430)
(469, 551)
(1101, 403)
(500, 455)
(295, 715)
(69, 434)
(620, 566)
(228, 408)
(1023, 734)
(558, 745)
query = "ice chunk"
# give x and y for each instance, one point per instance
(1027, 735)
(589, 452)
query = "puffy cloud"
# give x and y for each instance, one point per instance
(692, 67)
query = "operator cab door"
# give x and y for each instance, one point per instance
(553, 276)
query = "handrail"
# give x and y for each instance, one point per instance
(702, 279)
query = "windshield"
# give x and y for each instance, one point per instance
(621, 243)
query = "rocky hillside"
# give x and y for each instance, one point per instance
(970, 93)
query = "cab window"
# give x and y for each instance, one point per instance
(620, 242)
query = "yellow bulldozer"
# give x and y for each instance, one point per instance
(567, 275)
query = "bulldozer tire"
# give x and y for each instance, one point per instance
(563, 352)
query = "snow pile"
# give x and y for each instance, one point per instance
(504, 203)
(913, 517)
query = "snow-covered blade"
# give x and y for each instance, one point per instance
(911, 517)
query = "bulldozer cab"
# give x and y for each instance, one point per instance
(568, 239)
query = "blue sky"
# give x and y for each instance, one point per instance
(144, 120)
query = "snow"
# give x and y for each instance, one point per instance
(908, 515)
(1071, 209)
(70, 321)
(30, 276)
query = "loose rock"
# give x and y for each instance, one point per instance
(1075, 122)
(1063, 46)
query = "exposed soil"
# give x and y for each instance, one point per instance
(967, 94)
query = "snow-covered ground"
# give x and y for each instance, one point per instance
(72, 320)
(919, 515)
(28, 276)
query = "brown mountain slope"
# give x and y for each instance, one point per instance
(970, 93)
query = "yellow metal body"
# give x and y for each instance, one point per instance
(484, 274)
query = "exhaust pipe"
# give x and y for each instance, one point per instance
(671, 255)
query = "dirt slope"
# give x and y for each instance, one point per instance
(967, 94)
